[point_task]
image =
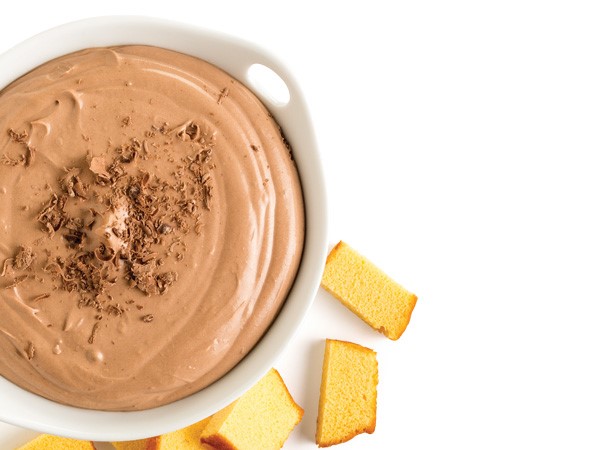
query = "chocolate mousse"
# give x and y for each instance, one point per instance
(151, 226)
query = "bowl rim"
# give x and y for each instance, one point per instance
(235, 56)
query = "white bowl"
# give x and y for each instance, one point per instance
(22, 408)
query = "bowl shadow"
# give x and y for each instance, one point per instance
(312, 382)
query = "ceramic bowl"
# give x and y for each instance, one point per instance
(240, 59)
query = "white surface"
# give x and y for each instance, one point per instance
(459, 141)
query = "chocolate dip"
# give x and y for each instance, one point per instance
(151, 226)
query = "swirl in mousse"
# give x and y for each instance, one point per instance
(151, 226)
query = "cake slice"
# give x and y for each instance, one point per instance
(50, 442)
(187, 438)
(262, 418)
(348, 400)
(367, 291)
(139, 444)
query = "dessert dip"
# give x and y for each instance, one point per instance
(151, 226)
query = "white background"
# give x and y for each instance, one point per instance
(459, 141)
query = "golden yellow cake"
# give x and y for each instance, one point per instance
(185, 439)
(348, 400)
(140, 444)
(49, 442)
(261, 419)
(367, 291)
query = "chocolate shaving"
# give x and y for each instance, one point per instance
(222, 95)
(53, 214)
(98, 167)
(164, 128)
(190, 133)
(145, 149)
(165, 280)
(20, 138)
(94, 332)
(87, 302)
(74, 238)
(116, 310)
(40, 297)
(165, 229)
(207, 197)
(116, 171)
(23, 258)
(29, 155)
(129, 151)
(72, 184)
(199, 169)
(8, 161)
(144, 277)
(104, 253)
(80, 273)
(30, 352)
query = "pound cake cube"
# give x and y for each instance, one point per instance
(348, 399)
(367, 291)
(262, 418)
(50, 442)
(187, 438)
(139, 444)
